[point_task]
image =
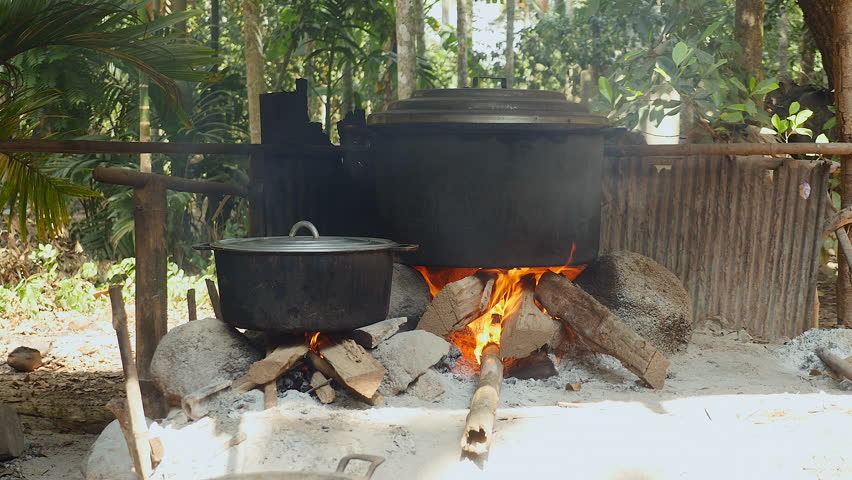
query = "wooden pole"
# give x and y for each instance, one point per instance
(150, 214)
(688, 149)
(138, 438)
(192, 312)
(842, 68)
(213, 293)
(131, 178)
(479, 425)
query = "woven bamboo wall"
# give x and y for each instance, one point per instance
(741, 236)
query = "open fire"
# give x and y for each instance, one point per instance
(506, 299)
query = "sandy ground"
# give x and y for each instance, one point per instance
(729, 410)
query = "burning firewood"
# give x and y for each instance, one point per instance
(320, 386)
(270, 368)
(528, 328)
(600, 329)
(479, 425)
(458, 304)
(352, 366)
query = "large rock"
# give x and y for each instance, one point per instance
(409, 295)
(644, 294)
(109, 458)
(11, 433)
(199, 353)
(24, 359)
(406, 356)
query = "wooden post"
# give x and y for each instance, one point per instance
(137, 439)
(213, 293)
(842, 67)
(190, 304)
(150, 215)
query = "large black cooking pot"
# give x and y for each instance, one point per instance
(484, 177)
(299, 284)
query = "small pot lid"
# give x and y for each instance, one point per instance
(306, 244)
(488, 105)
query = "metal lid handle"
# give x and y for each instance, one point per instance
(306, 224)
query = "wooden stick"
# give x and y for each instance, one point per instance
(190, 304)
(835, 363)
(838, 220)
(319, 383)
(727, 149)
(132, 178)
(138, 427)
(845, 245)
(118, 407)
(195, 405)
(279, 361)
(600, 329)
(94, 146)
(479, 425)
(270, 388)
(458, 304)
(328, 370)
(213, 293)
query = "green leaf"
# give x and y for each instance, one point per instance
(804, 131)
(679, 53)
(830, 123)
(751, 82)
(737, 83)
(737, 106)
(776, 122)
(605, 88)
(802, 117)
(765, 87)
(663, 73)
(821, 138)
(767, 131)
(751, 108)
(710, 29)
(794, 108)
(733, 117)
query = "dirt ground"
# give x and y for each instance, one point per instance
(730, 409)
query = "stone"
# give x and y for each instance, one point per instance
(407, 356)
(196, 354)
(372, 335)
(428, 387)
(743, 336)
(409, 295)
(845, 385)
(109, 457)
(11, 434)
(644, 295)
(24, 359)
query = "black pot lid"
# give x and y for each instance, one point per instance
(307, 244)
(488, 105)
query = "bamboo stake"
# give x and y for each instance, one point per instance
(214, 298)
(138, 428)
(479, 425)
(190, 304)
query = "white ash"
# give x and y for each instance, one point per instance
(230, 404)
(799, 354)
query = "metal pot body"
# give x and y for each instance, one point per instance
(486, 195)
(297, 293)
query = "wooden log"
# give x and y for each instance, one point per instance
(195, 404)
(479, 424)
(845, 246)
(838, 220)
(360, 387)
(835, 363)
(213, 293)
(267, 370)
(600, 329)
(528, 328)
(354, 366)
(372, 335)
(270, 388)
(150, 215)
(320, 385)
(458, 304)
(192, 311)
(138, 428)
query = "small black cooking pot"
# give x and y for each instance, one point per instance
(304, 284)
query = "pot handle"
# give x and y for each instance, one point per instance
(503, 82)
(306, 224)
(374, 460)
(202, 246)
(405, 247)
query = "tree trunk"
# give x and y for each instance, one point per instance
(420, 26)
(329, 80)
(461, 36)
(348, 86)
(214, 29)
(842, 67)
(179, 6)
(569, 9)
(144, 123)
(254, 64)
(783, 45)
(818, 18)
(807, 50)
(445, 12)
(405, 48)
(510, 43)
(748, 32)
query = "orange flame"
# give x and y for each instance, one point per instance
(505, 300)
(314, 342)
